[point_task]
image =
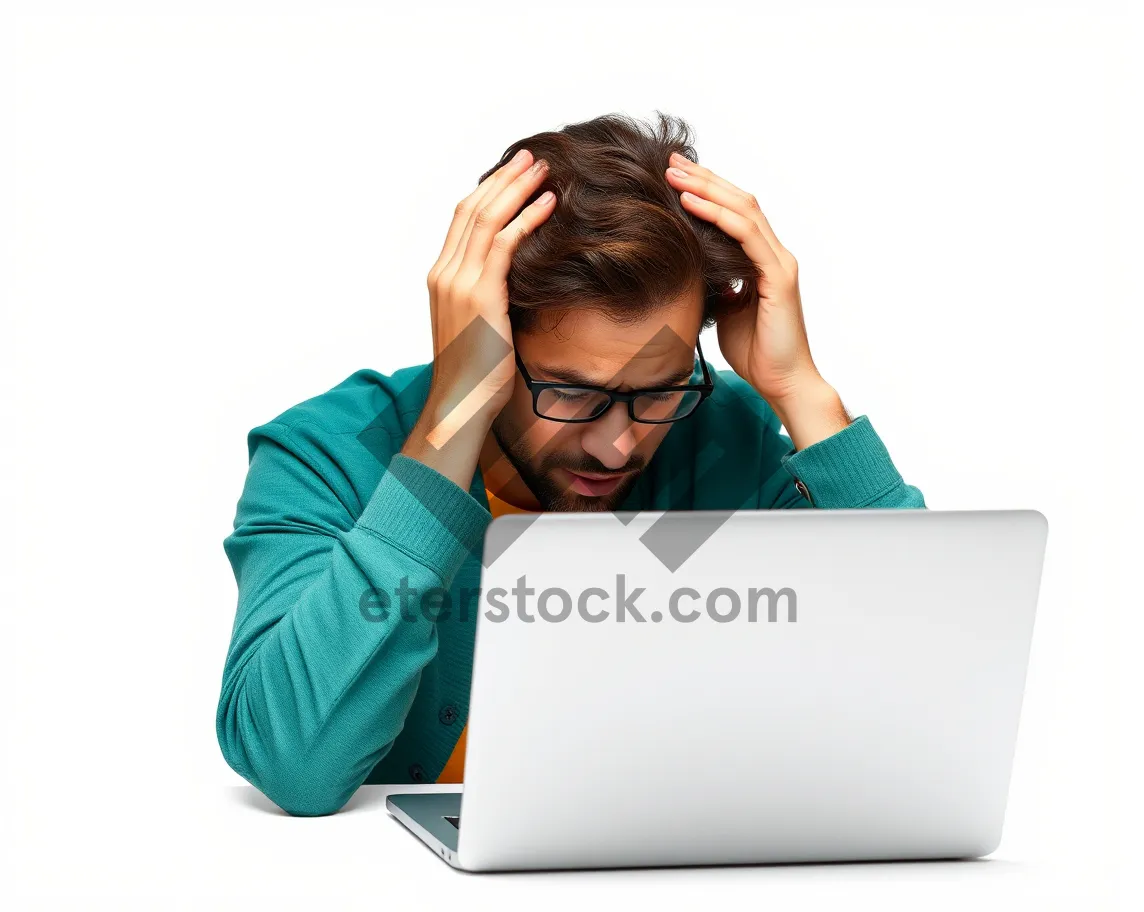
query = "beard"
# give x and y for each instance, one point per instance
(541, 479)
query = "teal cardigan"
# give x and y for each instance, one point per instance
(318, 698)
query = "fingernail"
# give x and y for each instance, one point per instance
(538, 164)
(682, 158)
(679, 172)
(545, 198)
(520, 156)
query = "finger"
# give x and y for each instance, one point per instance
(497, 212)
(471, 203)
(680, 161)
(729, 198)
(699, 178)
(744, 230)
(447, 261)
(492, 286)
(494, 274)
(504, 179)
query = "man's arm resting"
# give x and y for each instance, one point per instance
(317, 682)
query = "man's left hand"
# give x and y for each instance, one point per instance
(766, 345)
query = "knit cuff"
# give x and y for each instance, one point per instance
(426, 515)
(850, 468)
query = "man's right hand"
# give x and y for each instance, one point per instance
(468, 290)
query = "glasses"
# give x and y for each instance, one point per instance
(573, 403)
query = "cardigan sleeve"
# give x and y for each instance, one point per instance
(321, 671)
(849, 469)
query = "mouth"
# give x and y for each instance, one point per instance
(593, 485)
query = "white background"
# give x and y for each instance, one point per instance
(207, 216)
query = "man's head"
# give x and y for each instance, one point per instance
(611, 290)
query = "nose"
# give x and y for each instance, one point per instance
(610, 438)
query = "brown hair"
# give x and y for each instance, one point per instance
(619, 240)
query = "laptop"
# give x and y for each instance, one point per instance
(710, 687)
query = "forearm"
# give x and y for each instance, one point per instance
(811, 411)
(448, 436)
(312, 704)
(327, 654)
(850, 468)
(831, 460)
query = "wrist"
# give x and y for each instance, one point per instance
(448, 437)
(811, 410)
(451, 417)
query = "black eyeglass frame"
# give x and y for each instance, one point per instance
(536, 387)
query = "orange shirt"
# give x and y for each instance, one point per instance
(455, 766)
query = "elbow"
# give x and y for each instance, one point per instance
(281, 769)
(300, 797)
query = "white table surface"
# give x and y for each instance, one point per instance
(233, 846)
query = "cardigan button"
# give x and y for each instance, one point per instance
(448, 714)
(416, 773)
(801, 488)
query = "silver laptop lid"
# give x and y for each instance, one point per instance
(784, 686)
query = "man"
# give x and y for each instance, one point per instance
(566, 307)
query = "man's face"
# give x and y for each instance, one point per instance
(592, 466)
